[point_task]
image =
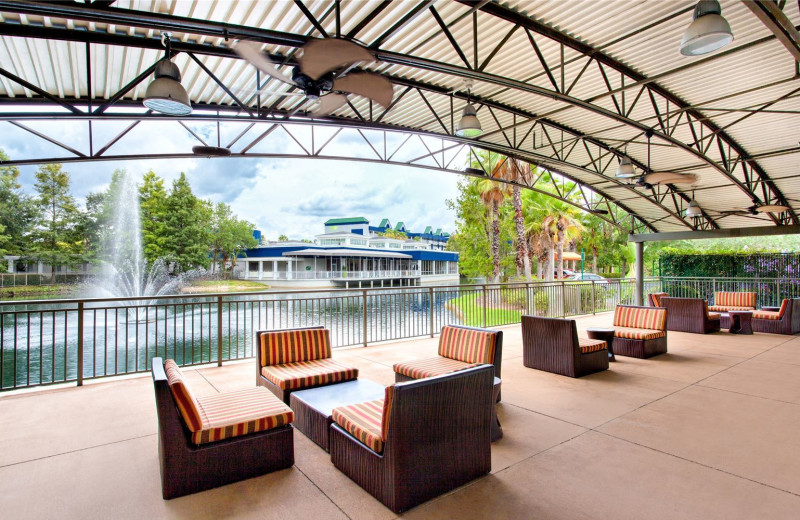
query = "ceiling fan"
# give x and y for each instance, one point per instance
(648, 180)
(755, 209)
(323, 73)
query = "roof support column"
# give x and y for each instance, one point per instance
(639, 291)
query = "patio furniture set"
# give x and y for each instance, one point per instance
(406, 443)
(430, 431)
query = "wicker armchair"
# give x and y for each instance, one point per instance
(429, 436)
(784, 321)
(639, 332)
(211, 441)
(654, 299)
(690, 315)
(552, 345)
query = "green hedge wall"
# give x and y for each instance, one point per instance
(746, 265)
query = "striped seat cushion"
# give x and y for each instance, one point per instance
(591, 345)
(368, 422)
(279, 347)
(656, 297)
(723, 308)
(714, 315)
(431, 367)
(305, 374)
(735, 299)
(468, 345)
(634, 333)
(186, 402)
(240, 413)
(640, 317)
(772, 315)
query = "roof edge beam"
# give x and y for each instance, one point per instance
(776, 21)
(759, 231)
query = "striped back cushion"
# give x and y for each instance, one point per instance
(186, 402)
(735, 299)
(640, 317)
(782, 310)
(387, 408)
(290, 346)
(656, 296)
(468, 345)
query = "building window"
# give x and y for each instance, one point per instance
(358, 242)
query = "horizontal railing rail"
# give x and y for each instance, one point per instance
(44, 342)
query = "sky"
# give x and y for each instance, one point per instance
(279, 196)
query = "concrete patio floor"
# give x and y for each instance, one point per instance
(709, 430)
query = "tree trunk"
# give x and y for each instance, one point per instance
(523, 260)
(560, 249)
(496, 242)
(594, 260)
(551, 265)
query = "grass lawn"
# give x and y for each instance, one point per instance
(470, 309)
(212, 286)
(32, 292)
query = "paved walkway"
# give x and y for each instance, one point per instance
(709, 430)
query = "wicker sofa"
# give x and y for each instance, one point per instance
(690, 315)
(425, 438)
(459, 348)
(784, 321)
(207, 442)
(297, 359)
(639, 331)
(654, 299)
(733, 301)
(553, 345)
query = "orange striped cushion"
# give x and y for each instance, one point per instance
(186, 402)
(305, 374)
(772, 315)
(640, 317)
(240, 413)
(431, 367)
(657, 297)
(470, 346)
(735, 299)
(714, 316)
(279, 347)
(591, 345)
(368, 422)
(726, 308)
(635, 333)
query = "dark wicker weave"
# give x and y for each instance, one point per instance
(640, 348)
(498, 354)
(788, 324)
(689, 315)
(187, 468)
(283, 395)
(438, 439)
(551, 344)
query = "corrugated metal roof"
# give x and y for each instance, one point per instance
(613, 70)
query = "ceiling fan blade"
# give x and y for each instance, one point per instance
(670, 178)
(329, 103)
(321, 56)
(772, 208)
(373, 86)
(251, 52)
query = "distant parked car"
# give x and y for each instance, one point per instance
(587, 277)
(567, 274)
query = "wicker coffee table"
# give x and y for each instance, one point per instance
(313, 408)
(740, 322)
(605, 334)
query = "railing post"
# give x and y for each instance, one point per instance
(80, 343)
(485, 304)
(219, 331)
(364, 314)
(619, 291)
(594, 298)
(713, 286)
(528, 298)
(430, 309)
(563, 300)
(778, 291)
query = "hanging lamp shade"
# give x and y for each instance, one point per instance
(625, 170)
(693, 209)
(166, 94)
(708, 32)
(469, 126)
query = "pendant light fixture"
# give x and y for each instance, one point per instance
(693, 209)
(625, 169)
(469, 125)
(708, 32)
(166, 94)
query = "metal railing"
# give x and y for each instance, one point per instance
(23, 279)
(56, 341)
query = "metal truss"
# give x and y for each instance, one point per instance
(711, 145)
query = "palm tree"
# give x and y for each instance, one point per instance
(593, 237)
(493, 194)
(517, 171)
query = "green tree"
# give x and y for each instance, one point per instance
(153, 204)
(493, 194)
(56, 238)
(518, 172)
(230, 236)
(4, 240)
(17, 210)
(283, 238)
(393, 233)
(187, 224)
